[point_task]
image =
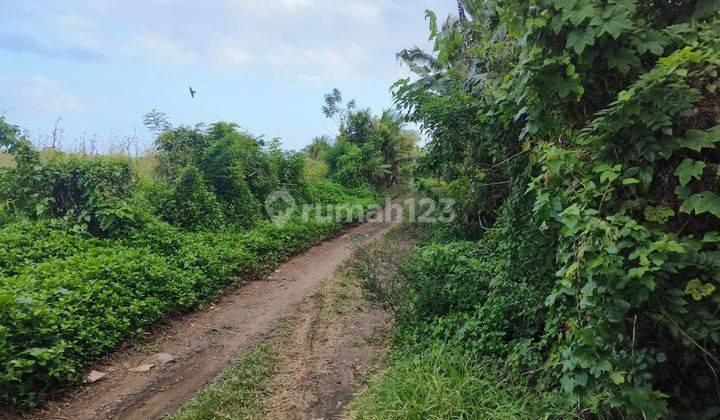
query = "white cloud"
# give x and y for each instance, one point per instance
(38, 94)
(160, 51)
(317, 65)
(229, 56)
(309, 40)
(71, 20)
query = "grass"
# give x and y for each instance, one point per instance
(239, 393)
(441, 383)
(144, 166)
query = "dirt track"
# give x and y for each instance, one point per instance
(206, 343)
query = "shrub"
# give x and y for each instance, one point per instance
(62, 313)
(179, 148)
(25, 243)
(316, 169)
(91, 192)
(192, 205)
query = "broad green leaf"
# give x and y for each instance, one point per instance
(698, 140)
(623, 59)
(615, 21)
(617, 377)
(568, 383)
(711, 237)
(688, 170)
(581, 38)
(562, 85)
(577, 11)
(698, 290)
(630, 181)
(704, 202)
(683, 192)
(658, 214)
(650, 40)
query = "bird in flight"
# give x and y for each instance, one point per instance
(192, 92)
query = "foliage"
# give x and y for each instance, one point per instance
(315, 170)
(238, 172)
(156, 121)
(318, 147)
(74, 297)
(90, 193)
(192, 204)
(334, 107)
(580, 139)
(369, 150)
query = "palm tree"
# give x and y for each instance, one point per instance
(318, 147)
(397, 145)
(431, 67)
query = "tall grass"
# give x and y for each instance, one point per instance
(442, 383)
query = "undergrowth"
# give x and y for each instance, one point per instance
(580, 142)
(440, 382)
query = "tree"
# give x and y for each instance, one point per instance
(317, 148)
(334, 107)
(157, 122)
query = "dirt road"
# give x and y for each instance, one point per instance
(205, 344)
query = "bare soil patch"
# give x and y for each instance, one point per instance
(338, 336)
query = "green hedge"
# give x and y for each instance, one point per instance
(67, 298)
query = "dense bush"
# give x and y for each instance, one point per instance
(580, 140)
(67, 298)
(92, 193)
(233, 171)
(191, 204)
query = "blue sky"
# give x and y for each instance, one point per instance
(264, 64)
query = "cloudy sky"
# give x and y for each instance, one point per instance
(264, 64)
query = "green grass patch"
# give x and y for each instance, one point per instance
(239, 393)
(442, 383)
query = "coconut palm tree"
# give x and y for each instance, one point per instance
(317, 148)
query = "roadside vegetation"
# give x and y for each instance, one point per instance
(93, 249)
(580, 277)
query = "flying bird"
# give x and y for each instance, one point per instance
(192, 92)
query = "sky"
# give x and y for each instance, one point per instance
(99, 65)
